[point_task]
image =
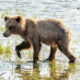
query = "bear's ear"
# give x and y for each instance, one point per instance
(18, 19)
(6, 18)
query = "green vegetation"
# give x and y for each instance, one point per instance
(2, 29)
(1, 49)
(6, 51)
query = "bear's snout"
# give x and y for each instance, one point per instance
(6, 34)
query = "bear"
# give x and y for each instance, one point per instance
(52, 32)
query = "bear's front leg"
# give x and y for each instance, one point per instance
(36, 48)
(23, 45)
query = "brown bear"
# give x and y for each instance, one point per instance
(52, 32)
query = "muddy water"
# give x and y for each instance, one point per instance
(12, 68)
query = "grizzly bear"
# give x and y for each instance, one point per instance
(52, 32)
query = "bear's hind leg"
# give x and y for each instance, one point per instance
(67, 52)
(53, 51)
(23, 45)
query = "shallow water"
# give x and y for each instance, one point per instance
(12, 68)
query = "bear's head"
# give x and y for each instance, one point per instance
(13, 25)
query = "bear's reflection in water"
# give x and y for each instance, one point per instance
(45, 71)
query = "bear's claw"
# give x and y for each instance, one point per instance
(18, 54)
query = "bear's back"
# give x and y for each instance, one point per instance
(51, 27)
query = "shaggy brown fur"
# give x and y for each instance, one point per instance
(52, 32)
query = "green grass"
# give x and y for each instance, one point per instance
(2, 29)
(1, 49)
(7, 50)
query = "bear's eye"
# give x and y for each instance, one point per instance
(10, 28)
